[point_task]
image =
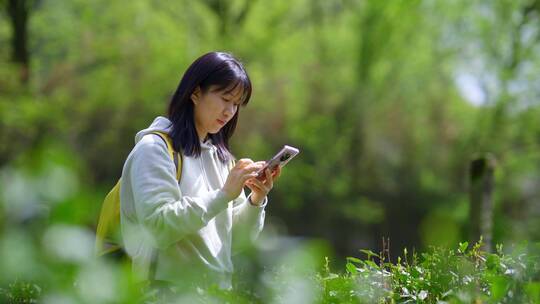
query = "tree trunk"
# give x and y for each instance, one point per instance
(19, 11)
(481, 200)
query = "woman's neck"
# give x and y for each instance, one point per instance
(202, 135)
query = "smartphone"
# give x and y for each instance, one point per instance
(280, 159)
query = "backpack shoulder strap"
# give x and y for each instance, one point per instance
(173, 154)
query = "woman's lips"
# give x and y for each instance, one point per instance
(221, 122)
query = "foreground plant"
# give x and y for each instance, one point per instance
(465, 275)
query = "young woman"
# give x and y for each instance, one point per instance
(184, 233)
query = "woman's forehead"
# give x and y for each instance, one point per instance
(235, 89)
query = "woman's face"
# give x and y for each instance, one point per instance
(214, 109)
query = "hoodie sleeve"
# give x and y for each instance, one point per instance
(248, 222)
(159, 205)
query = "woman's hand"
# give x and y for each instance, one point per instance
(259, 189)
(244, 169)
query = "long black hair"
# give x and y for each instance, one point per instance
(217, 69)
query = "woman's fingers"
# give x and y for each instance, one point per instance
(267, 183)
(243, 162)
(276, 173)
(259, 185)
(250, 171)
(269, 180)
(246, 166)
(247, 161)
(253, 187)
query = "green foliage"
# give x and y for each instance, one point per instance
(20, 293)
(387, 100)
(437, 276)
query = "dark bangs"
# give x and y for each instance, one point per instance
(221, 72)
(226, 80)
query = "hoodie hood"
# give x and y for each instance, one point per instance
(163, 124)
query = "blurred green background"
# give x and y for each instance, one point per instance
(388, 102)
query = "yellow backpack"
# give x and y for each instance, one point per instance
(108, 229)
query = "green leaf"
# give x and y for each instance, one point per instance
(493, 261)
(351, 268)
(331, 277)
(463, 247)
(369, 253)
(372, 264)
(499, 287)
(354, 260)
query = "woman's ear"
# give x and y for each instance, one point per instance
(196, 95)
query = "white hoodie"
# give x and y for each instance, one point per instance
(193, 225)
